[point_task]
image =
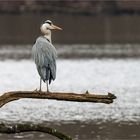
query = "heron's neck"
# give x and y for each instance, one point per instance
(48, 36)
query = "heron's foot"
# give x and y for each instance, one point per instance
(35, 90)
(48, 91)
(40, 91)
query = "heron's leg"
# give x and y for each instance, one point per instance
(40, 85)
(47, 86)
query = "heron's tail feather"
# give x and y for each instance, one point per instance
(51, 77)
(48, 75)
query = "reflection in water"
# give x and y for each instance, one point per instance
(119, 120)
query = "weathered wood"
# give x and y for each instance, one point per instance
(86, 97)
(18, 128)
(15, 95)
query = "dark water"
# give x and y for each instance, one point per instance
(85, 131)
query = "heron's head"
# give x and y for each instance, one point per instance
(47, 26)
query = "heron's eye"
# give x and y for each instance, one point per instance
(48, 28)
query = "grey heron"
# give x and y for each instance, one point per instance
(44, 54)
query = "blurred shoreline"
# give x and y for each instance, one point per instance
(76, 51)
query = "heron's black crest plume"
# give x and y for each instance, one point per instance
(48, 21)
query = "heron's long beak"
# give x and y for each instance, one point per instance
(56, 27)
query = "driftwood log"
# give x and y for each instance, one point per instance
(18, 128)
(16, 95)
(86, 97)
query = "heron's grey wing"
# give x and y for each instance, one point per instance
(50, 55)
(45, 55)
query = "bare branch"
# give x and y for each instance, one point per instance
(18, 128)
(86, 97)
(15, 95)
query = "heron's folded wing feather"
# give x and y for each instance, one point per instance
(44, 54)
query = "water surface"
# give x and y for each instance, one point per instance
(119, 120)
